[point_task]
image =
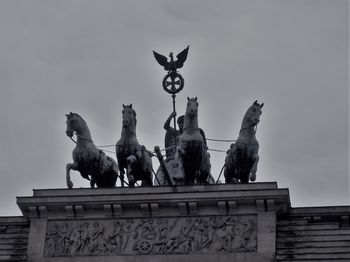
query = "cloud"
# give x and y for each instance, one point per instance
(91, 57)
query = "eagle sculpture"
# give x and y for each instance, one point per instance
(172, 65)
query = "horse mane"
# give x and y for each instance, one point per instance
(77, 115)
(134, 112)
(248, 113)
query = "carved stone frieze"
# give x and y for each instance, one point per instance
(174, 235)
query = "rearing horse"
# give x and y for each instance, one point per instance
(131, 156)
(192, 147)
(242, 158)
(91, 162)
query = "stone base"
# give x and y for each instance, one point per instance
(183, 223)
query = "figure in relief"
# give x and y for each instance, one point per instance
(52, 239)
(64, 239)
(186, 235)
(198, 229)
(151, 236)
(96, 238)
(119, 237)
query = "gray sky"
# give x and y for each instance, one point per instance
(90, 57)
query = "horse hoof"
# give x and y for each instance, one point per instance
(252, 177)
(70, 184)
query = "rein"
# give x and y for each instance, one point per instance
(82, 137)
(73, 140)
(248, 126)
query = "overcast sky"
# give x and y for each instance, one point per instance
(90, 57)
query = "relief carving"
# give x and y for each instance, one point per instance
(213, 234)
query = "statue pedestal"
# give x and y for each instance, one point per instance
(183, 223)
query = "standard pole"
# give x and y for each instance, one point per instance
(163, 166)
(174, 110)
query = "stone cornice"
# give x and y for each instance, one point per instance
(155, 201)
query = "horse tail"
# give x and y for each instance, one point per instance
(230, 171)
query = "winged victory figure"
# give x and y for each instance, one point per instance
(172, 65)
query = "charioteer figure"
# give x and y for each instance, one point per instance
(172, 135)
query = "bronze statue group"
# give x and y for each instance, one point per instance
(186, 160)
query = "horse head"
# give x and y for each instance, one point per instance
(192, 107)
(75, 123)
(252, 116)
(129, 116)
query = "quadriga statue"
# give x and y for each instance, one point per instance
(90, 161)
(131, 156)
(242, 158)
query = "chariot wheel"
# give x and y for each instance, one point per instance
(145, 246)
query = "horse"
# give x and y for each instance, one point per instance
(192, 148)
(131, 156)
(91, 162)
(242, 158)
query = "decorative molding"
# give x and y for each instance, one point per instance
(42, 211)
(192, 207)
(69, 210)
(117, 208)
(33, 212)
(154, 208)
(270, 205)
(222, 206)
(232, 206)
(182, 208)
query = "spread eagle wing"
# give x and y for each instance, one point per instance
(181, 57)
(162, 60)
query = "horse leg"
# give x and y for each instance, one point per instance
(121, 174)
(230, 175)
(227, 170)
(92, 182)
(69, 167)
(205, 166)
(131, 179)
(149, 178)
(129, 173)
(146, 182)
(254, 168)
(243, 176)
(190, 175)
(114, 170)
(227, 175)
(230, 172)
(132, 183)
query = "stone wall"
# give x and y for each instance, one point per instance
(184, 223)
(314, 234)
(253, 222)
(13, 238)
